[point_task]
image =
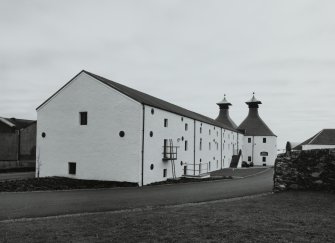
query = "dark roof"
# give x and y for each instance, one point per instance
(149, 100)
(19, 123)
(253, 125)
(253, 100)
(324, 137)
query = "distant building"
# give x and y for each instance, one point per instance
(95, 128)
(260, 143)
(324, 139)
(17, 142)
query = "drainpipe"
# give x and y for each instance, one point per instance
(253, 147)
(19, 146)
(194, 144)
(142, 169)
(221, 149)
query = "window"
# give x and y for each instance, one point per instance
(249, 140)
(182, 118)
(185, 170)
(186, 126)
(121, 134)
(209, 131)
(200, 129)
(249, 158)
(200, 143)
(83, 118)
(264, 140)
(151, 133)
(152, 111)
(164, 172)
(165, 148)
(43, 134)
(264, 159)
(151, 166)
(209, 145)
(165, 122)
(72, 168)
(186, 145)
(209, 166)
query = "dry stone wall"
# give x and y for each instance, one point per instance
(311, 169)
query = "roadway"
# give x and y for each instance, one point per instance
(51, 203)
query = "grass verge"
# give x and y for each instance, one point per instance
(57, 183)
(283, 217)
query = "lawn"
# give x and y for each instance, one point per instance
(284, 217)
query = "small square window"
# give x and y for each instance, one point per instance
(164, 172)
(249, 140)
(264, 140)
(83, 118)
(249, 158)
(165, 122)
(72, 168)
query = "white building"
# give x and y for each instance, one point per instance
(94, 128)
(325, 139)
(260, 143)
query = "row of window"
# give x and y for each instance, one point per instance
(249, 140)
(263, 159)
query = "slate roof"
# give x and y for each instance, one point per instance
(146, 99)
(255, 126)
(324, 137)
(17, 123)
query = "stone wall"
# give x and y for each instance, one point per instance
(310, 169)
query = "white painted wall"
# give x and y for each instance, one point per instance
(231, 143)
(209, 155)
(98, 150)
(316, 146)
(257, 146)
(153, 146)
(208, 158)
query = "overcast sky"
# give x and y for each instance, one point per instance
(189, 53)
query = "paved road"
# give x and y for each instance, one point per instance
(39, 204)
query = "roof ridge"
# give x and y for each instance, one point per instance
(315, 136)
(153, 101)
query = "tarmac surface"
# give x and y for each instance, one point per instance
(18, 205)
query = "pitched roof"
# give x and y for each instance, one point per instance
(324, 137)
(146, 99)
(253, 125)
(17, 123)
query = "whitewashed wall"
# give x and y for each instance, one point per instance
(98, 150)
(315, 146)
(209, 156)
(153, 145)
(270, 146)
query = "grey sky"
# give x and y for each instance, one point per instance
(190, 53)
